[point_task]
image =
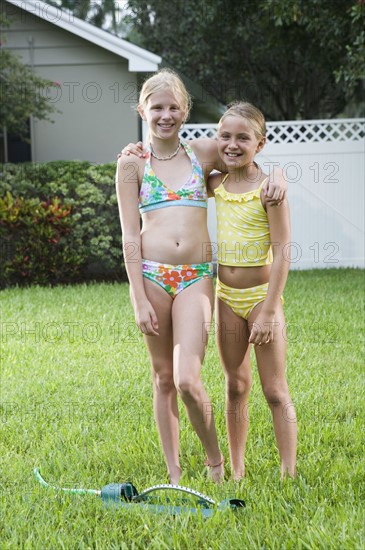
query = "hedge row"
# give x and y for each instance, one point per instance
(59, 223)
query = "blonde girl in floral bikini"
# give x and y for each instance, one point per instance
(170, 279)
(252, 271)
(168, 262)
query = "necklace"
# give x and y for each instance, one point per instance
(166, 158)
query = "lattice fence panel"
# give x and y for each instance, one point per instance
(304, 131)
(194, 131)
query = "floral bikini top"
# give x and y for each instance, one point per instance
(155, 194)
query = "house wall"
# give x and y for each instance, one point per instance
(95, 97)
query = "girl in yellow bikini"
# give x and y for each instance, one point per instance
(252, 271)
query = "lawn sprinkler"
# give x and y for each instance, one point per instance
(126, 495)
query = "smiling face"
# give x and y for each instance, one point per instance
(237, 141)
(163, 114)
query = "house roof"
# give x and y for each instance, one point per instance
(140, 60)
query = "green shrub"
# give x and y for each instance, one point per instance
(59, 223)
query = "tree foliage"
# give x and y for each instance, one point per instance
(103, 13)
(294, 58)
(22, 93)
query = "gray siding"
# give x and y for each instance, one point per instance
(95, 99)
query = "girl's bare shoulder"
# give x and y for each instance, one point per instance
(130, 168)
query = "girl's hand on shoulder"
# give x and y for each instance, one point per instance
(146, 319)
(275, 188)
(133, 149)
(262, 329)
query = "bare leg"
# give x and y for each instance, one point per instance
(191, 315)
(164, 392)
(234, 351)
(271, 366)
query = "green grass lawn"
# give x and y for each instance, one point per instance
(76, 400)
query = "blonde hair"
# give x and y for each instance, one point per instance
(166, 79)
(248, 111)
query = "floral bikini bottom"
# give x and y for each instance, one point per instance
(175, 278)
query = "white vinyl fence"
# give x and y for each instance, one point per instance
(323, 161)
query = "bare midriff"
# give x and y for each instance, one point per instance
(176, 235)
(244, 277)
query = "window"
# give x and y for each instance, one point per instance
(15, 149)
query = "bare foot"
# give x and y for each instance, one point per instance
(216, 471)
(239, 475)
(288, 472)
(175, 475)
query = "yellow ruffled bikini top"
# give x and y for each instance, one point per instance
(242, 228)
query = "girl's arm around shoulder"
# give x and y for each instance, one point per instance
(206, 150)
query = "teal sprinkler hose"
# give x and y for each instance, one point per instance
(73, 491)
(125, 495)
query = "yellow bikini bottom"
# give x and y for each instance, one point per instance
(242, 300)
